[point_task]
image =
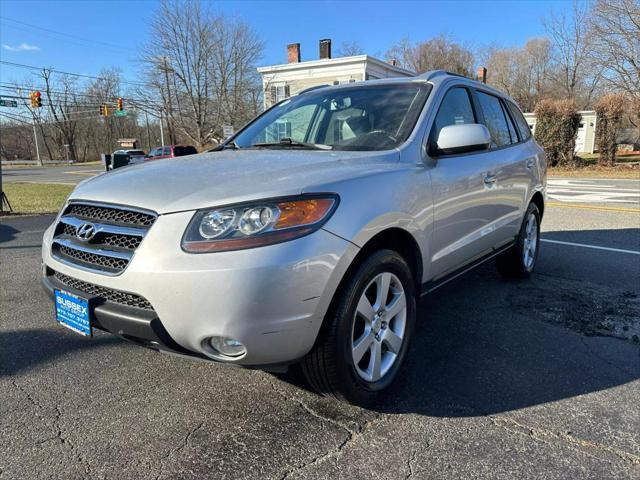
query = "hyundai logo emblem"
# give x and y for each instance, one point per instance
(86, 232)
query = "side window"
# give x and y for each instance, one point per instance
(512, 129)
(521, 123)
(455, 109)
(166, 151)
(495, 120)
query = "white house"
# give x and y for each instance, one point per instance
(282, 81)
(586, 138)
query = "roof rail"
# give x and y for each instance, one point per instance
(437, 73)
(313, 88)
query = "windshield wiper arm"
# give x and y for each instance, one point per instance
(289, 142)
(230, 146)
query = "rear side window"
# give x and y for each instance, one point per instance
(455, 109)
(521, 122)
(495, 120)
(181, 151)
(512, 128)
(166, 151)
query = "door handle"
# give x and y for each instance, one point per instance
(490, 180)
(530, 163)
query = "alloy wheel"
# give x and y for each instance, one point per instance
(379, 325)
(530, 241)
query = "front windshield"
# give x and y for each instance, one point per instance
(379, 117)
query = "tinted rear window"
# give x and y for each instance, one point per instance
(521, 122)
(495, 120)
(181, 151)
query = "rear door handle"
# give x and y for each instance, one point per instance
(530, 163)
(490, 179)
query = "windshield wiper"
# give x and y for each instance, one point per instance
(225, 146)
(230, 146)
(289, 142)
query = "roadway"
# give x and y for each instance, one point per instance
(69, 174)
(531, 379)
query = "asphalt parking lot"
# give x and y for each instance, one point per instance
(533, 379)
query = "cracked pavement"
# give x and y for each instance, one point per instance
(536, 379)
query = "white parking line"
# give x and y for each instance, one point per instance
(595, 247)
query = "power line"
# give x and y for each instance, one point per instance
(96, 42)
(52, 70)
(101, 98)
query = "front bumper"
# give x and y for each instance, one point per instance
(141, 326)
(272, 299)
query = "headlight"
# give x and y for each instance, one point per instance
(256, 224)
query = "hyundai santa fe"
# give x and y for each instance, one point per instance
(308, 237)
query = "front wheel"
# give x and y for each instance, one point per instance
(520, 260)
(366, 336)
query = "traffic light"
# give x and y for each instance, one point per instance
(104, 110)
(120, 107)
(36, 99)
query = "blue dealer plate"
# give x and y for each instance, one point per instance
(73, 312)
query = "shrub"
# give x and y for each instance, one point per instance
(609, 110)
(557, 124)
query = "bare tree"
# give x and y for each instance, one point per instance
(63, 108)
(203, 66)
(349, 49)
(437, 53)
(523, 73)
(615, 26)
(572, 41)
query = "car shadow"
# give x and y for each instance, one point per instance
(485, 345)
(7, 232)
(12, 226)
(26, 349)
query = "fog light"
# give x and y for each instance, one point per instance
(227, 346)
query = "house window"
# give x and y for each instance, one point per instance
(279, 93)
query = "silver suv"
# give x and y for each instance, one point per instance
(308, 237)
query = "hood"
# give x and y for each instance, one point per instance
(228, 176)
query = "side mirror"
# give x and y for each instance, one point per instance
(464, 138)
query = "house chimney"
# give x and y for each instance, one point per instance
(482, 75)
(393, 61)
(325, 48)
(293, 53)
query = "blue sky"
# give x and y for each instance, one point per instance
(98, 34)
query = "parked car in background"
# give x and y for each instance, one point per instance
(313, 234)
(171, 151)
(134, 157)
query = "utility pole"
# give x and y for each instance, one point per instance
(169, 109)
(35, 139)
(3, 198)
(146, 117)
(161, 130)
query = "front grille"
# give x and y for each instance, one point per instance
(104, 293)
(130, 242)
(110, 263)
(123, 241)
(116, 233)
(69, 230)
(111, 214)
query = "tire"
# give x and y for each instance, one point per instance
(330, 367)
(519, 261)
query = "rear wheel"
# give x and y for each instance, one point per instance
(366, 336)
(520, 260)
